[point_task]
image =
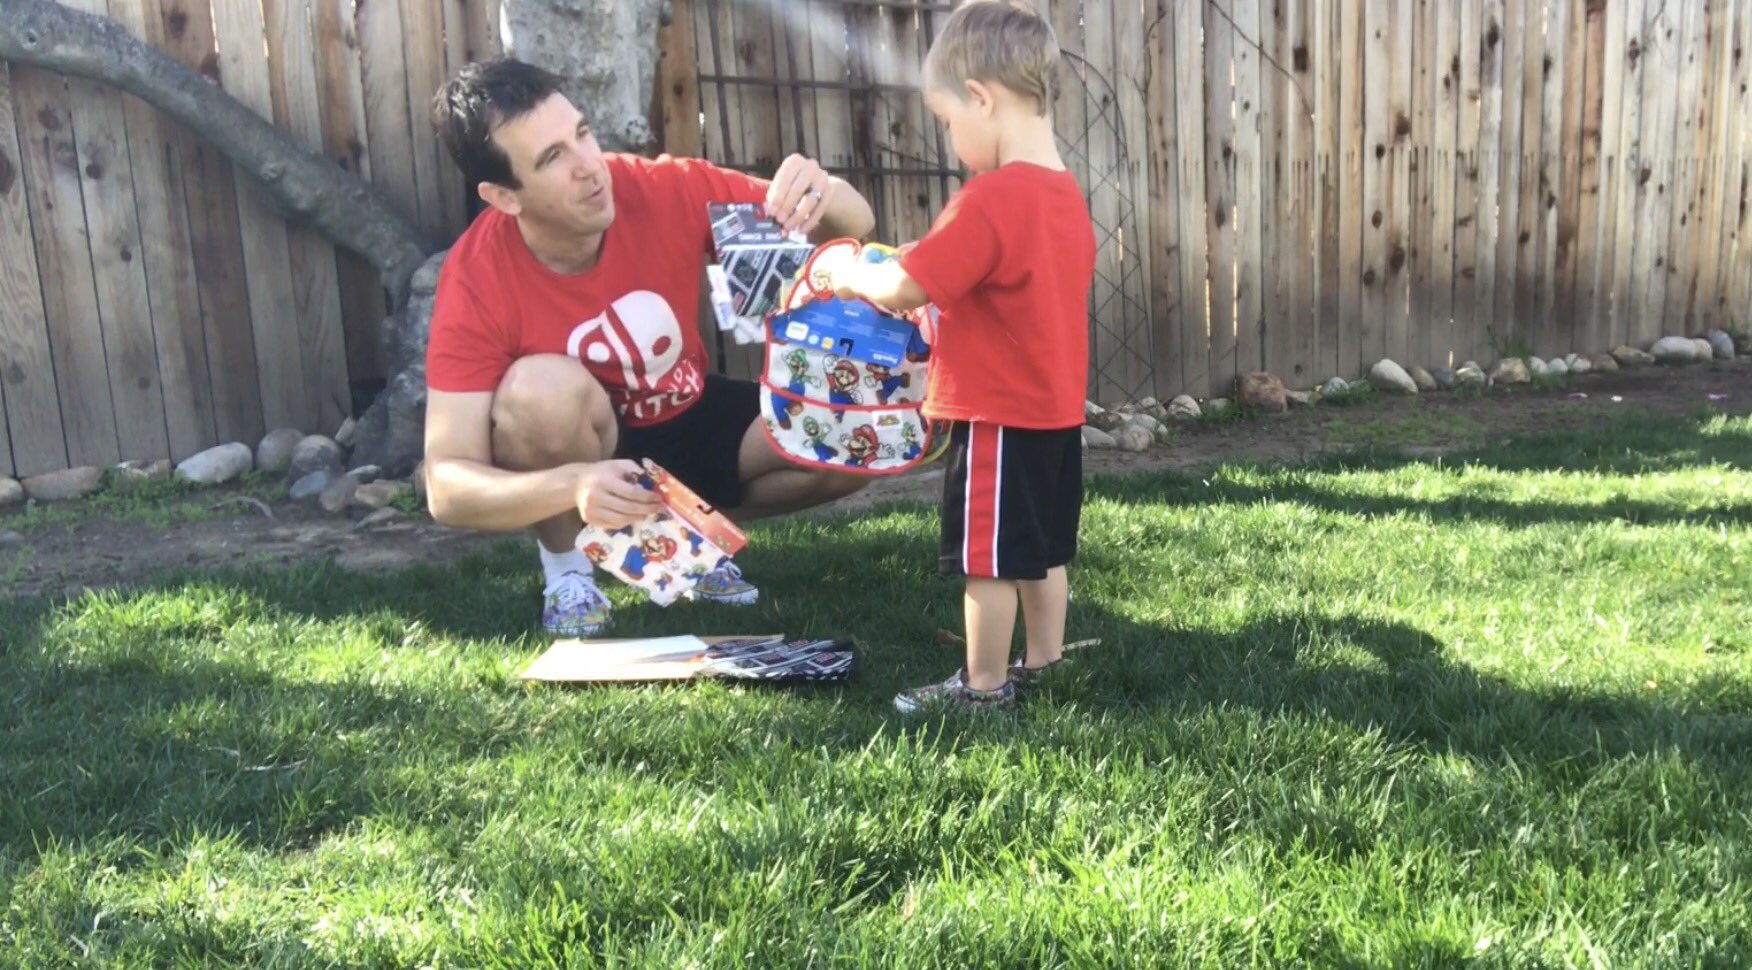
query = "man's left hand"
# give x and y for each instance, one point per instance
(799, 194)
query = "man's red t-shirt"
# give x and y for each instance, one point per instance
(624, 317)
(1008, 264)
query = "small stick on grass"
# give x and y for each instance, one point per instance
(949, 638)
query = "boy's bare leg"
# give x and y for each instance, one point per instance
(1044, 604)
(772, 485)
(989, 608)
(547, 412)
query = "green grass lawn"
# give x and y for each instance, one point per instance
(1491, 711)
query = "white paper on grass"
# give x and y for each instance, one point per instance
(558, 662)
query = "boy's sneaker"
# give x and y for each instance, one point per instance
(572, 606)
(953, 694)
(1023, 675)
(725, 585)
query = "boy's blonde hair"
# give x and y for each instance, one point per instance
(1002, 41)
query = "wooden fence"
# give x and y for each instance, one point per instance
(1314, 184)
(1299, 185)
(152, 303)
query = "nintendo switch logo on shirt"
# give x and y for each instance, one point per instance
(633, 348)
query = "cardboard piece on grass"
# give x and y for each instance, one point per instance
(768, 657)
(666, 554)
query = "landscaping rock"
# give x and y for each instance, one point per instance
(1580, 365)
(1444, 378)
(1108, 421)
(316, 453)
(1133, 438)
(379, 518)
(1705, 351)
(345, 434)
(1262, 391)
(1471, 375)
(217, 465)
(1184, 408)
(1216, 406)
(274, 453)
(1510, 370)
(1392, 378)
(311, 485)
(419, 479)
(1146, 421)
(365, 473)
(1092, 436)
(1720, 344)
(1628, 356)
(1558, 367)
(1334, 387)
(1538, 367)
(1300, 399)
(1604, 362)
(10, 538)
(338, 495)
(1090, 409)
(376, 495)
(132, 474)
(70, 483)
(1674, 350)
(11, 492)
(1424, 380)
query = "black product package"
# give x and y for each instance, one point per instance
(757, 262)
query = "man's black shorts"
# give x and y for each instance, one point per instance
(1012, 500)
(703, 444)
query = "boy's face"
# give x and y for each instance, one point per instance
(969, 118)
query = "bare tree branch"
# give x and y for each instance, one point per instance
(309, 189)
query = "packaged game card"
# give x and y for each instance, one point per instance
(757, 261)
(666, 554)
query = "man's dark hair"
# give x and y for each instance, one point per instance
(478, 98)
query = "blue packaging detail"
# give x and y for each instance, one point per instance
(847, 328)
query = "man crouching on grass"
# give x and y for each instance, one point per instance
(558, 356)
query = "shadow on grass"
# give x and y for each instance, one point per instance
(174, 730)
(1634, 445)
(107, 748)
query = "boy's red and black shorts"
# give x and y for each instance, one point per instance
(1012, 500)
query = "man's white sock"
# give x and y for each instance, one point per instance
(557, 564)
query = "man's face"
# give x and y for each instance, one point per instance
(565, 184)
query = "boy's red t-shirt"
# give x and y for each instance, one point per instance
(1008, 264)
(631, 319)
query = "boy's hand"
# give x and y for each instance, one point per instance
(844, 280)
(799, 194)
(884, 284)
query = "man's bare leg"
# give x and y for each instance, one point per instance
(773, 485)
(548, 411)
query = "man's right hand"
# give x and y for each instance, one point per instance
(609, 494)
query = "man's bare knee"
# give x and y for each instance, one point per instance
(549, 411)
(837, 485)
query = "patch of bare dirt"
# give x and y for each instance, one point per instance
(100, 550)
